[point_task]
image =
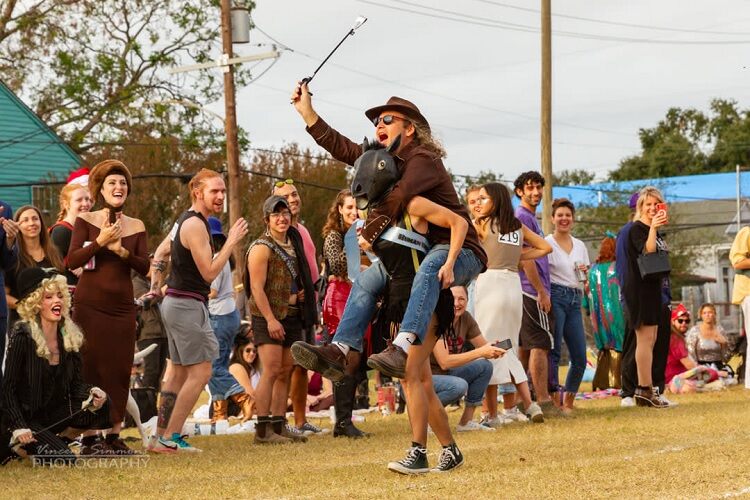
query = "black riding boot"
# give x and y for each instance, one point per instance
(343, 397)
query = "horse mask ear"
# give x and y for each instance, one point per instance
(365, 144)
(393, 146)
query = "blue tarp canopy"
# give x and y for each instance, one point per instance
(686, 188)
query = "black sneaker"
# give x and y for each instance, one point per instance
(415, 462)
(450, 458)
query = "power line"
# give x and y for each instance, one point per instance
(616, 23)
(446, 97)
(491, 23)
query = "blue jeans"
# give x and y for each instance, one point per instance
(222, 384)
(470, 379)
(566, 307)
(360, 306)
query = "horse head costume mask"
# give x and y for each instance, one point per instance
(376, 173)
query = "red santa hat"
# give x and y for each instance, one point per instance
(680, 311)
(80, 176)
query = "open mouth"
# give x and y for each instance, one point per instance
(57, 310)
(382, 137)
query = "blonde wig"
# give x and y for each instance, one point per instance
(29, 308)
(642, 195)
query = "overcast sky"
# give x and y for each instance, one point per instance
(479, 84)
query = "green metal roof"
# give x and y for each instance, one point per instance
(29, 150)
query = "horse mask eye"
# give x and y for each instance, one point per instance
(376, 173)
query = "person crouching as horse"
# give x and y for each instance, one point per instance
(45, 400)
(401, 249)
(282, 304)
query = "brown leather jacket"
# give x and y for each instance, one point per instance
(422, 174)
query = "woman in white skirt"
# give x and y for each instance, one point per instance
(499, 303)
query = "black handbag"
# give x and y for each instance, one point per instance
(654, 264)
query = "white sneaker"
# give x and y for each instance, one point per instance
(473, 425)
(534, 413)
(515, 415)
(496, 422)
(627, 402)
(670, 404)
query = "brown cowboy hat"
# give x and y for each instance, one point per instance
(102, 170)
(406, 108)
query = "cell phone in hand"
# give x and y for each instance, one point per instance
(661, 208)
(504, 344)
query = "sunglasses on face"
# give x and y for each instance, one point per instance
(279, 184)
(683, 321)
(278, 215)
(386, 119)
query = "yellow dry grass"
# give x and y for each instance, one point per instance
(701, 449)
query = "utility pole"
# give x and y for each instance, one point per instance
(226, 62)
(739, 199)
(547, 115)
(230, 117)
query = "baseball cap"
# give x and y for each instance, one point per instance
(215, 225)
(272, 203)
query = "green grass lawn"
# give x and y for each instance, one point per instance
(701, 449)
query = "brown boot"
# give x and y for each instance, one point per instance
(649, 397)
(391, 362)
(221, 408)
(328, 360)
(246, 404)
(568, 401)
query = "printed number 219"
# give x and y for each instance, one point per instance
(513, 238)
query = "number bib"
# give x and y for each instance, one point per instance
(513, 238)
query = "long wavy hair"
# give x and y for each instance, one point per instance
(423, 136)
(25, 260)
(334, 220)
(29, 308)
(239, 345)
(501, 219)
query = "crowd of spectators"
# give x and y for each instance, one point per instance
(83, 295)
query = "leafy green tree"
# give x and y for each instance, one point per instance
(317, 177)
(689, 141)
(93, 69)
(574, 177)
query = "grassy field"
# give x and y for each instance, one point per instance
(701, 449)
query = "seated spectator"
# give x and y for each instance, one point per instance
(707, 342)
(319, 392)
(44, 398)
(456, 373)
(683, 375)
(244, 367)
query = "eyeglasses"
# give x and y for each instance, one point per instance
(387, 119)
(276, 215)
(279, 184)
(683, 321)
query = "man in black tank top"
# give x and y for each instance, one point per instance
(192, 344)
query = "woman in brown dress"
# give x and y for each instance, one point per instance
(108, 244)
